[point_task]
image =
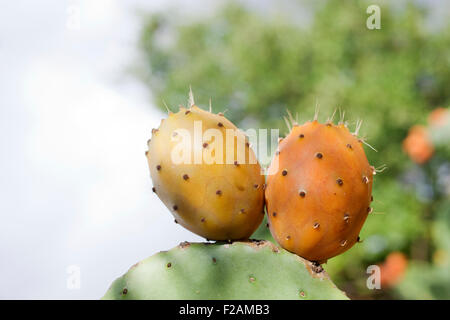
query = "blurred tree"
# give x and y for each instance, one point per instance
(257, 65)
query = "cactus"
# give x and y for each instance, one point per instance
(218, 196)
(238, 270)
(319, 197)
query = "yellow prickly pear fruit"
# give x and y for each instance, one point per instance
(205, 172)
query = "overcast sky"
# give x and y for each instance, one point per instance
(75, 187)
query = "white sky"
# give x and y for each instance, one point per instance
(74, 186)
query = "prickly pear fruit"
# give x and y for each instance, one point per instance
(319, 197)
(214, 185)
(418, 145)
(240, 270)
(393, 269)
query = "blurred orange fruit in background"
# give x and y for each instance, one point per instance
(418, 145)
(438, 117)
(393, 269)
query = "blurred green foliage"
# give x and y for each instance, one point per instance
(257, 65)
(431, 280)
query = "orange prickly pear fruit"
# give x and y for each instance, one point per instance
(213, 193)
(318, 190)
(438, 117)
(393, 269)
(418, 145)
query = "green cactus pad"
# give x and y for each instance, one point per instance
(239, 270)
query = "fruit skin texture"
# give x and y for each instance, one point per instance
(318, 199)
(216, 201)
(240, 270)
